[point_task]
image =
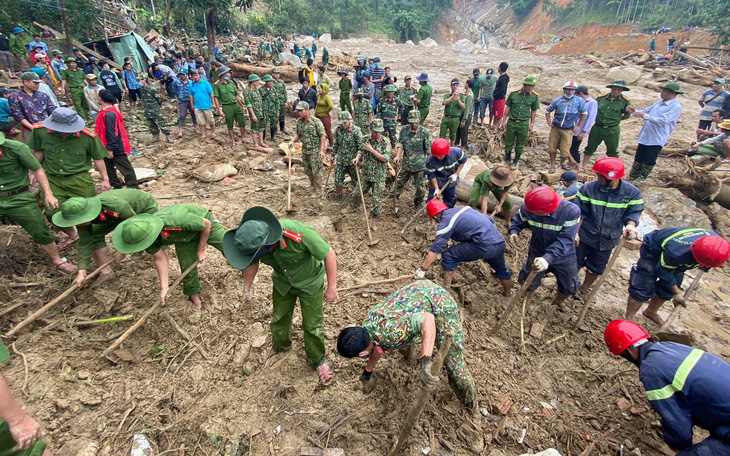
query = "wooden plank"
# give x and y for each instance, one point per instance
(112, 63)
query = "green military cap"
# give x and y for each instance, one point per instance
(156, 56)
(267, 78)
(343, 117)
(141, 76)
(389, 88)
(414, 116)
(377, 124)
(407, 77)
(530, 80)
(30, 76)
(70, 59)
(673, 86)
(137, 233)
(301, 106)
(275, 70)
(620, 83)
(259, 227)
(75, 211)
(360, 92)
(253, 78)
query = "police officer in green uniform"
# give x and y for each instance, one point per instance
(347, 145)
(363, 111)
(520, 110)
(300, 258)
(454, 103)
(73, 80)
(190, 228)
(389, 108)
(423, 97)
(376, 151)
(406, 95)
(414, 145)
(255, 106)
(612, 109)
(96, 217)
(280, 90)
(65, 149)
(19, 205)
(271, 103)
(226, 96)
(314, 143)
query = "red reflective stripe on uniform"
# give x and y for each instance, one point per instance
(172, 228)
(283, 243)
(88, 132)
(113, 214)
(165, 233)
(296, 237)
(37, 125)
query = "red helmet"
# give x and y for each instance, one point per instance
(435, 206)
(542, 199)
(610, 167)
(711, 251)
(622, 334)
(440, 148)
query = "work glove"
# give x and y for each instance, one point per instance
(420, 273)
(678, 300)
(453, 178)
(540, 264)
(368, 382)
(577, 239)
(630, 232)
(427, 379)
(436, 192)
(513, 239)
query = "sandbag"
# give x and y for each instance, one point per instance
(214, 173)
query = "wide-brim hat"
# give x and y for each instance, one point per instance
(64, 120)
(70, 59)
(75, 211)
(673, 86)
(17, 30)
(137, 233)
(620, 83)
(423, 77)
(725, 124)
(343, 117)
(377, 125)
(253, 78)
(259, 227)
(501, 176)
(223, 70)
(268, 78)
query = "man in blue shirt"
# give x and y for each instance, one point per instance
(37, 42)
(660, 120)
(687, 387)
(443, 166)
(57, 63)
(711, 101)
(570, 114)
(377, 76)
(6, 116)
(181, 86)
(570, 186)
(201, 97)
(130, 83)
(477, 237)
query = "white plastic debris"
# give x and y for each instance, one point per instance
(141, 446)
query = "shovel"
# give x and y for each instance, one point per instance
(288, 191)
(513, 303)
(365, 208)
(598, 284)
(420, 211)
(686, 296)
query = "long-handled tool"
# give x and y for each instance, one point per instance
(600, 281)
(513, 303)
(420, 211)
(365, 208)
(288, 190)
(686, 296)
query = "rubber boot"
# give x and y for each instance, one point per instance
(507, 158)
(273, 132)
(645, 173)
(635, 173)
(515, 163)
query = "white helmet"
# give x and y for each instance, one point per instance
(570, 85)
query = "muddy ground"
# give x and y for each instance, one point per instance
(566, 391)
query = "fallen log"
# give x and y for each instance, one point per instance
(703, 191)
(111, 61)
(241, 70)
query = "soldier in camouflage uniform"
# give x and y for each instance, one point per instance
(375, 166)
(421, 311)
(314, 143)
(255, 106)
(389, 109)
(152, 103)
(415, 141)
(274, 53)
(347, 145)
(280, 90)
(363, 111)
(271, 105)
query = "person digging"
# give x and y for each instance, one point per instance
(497, 181)
(442, 170)
(300, 259)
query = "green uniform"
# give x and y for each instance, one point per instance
(416, 147)
(396, 323)
(607, 127)
(274, 53)
(424, 95)
(67, 161)
(226, 93)
(362, 109)
(298, 264)
(389, 110)
(75, 81)
(325, 56)
(280, 90)
(404, 95)
(21, 207)
(452, 117)
(348, 143)
(183, 224)
(374, 172)
(17, 46)
(345, 86)
(116, 207)
(483, 186)
(518, 124)
(253, 100)
(310, 133)
(152, 103)
(270, 100)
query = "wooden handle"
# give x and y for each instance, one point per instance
(513, 302)
(377, 282)
(364, 206)
(601, 279)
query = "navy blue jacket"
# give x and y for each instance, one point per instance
(465, 224)
(553, 235)
(687, 387)
(442, 169)
(605, 211)
(672, 248)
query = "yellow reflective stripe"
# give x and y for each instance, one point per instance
(665, 265)
(679, 378)
(679, 233)
(545, 226)
(611, 205)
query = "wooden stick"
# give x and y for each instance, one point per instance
(601, 279)
(364, 206)
(288, 190)
(687, 294)
(423, 395)
(513, 303)
(419, 211)
(377, 282)
(186, 336)
(101, 321)
(149, 312)
(43, 310)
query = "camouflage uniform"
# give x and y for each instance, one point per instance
(274, 53)
(310, 133)
(270, 101)
(389, 110)
(416, 147)
(374, 171)
(396, 324)
(362, 109)
(152, 102)
(252, 97)
(348, 143)
(280, 91)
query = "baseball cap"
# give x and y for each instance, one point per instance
(569, 176)
(490, 71)
(5, 91)
(582, 89)
(476, 71)
(454, 81)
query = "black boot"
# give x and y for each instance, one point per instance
(516, 161)
(644, 173)
(508, 158)
(273, 132)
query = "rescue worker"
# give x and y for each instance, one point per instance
(406, 95)
(300, 258)
(72, 84)
(443, 167)
(664, 257)
(348, 144)
(519, 116)
(420, 310)
(229, 106)
(389, 108)
(423, 97)
(280, 90)
(152, 103)
(189, 228)
(610, 208)
(612, 109)
(454, 105)
(363, 111)
(497, 181)
(686, 386)
(554, 224)
(19, 205)
(478, 239)
(271, 105)
(98, 216)
(569, 186)
(570, 115)
(376, 155)
(314, 143)
(414, 144)
(345, 86)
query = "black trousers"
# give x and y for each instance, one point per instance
(121, 163)
(574, 152)
(462, 135)
(647, 154)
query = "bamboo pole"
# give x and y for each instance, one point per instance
(377, 282)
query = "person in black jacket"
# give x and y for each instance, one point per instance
(114, 137)
(109, 80)
(308, 94)
(499, 97)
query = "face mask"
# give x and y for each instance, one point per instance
(377, 65)
(226, 78)
(568, 96)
